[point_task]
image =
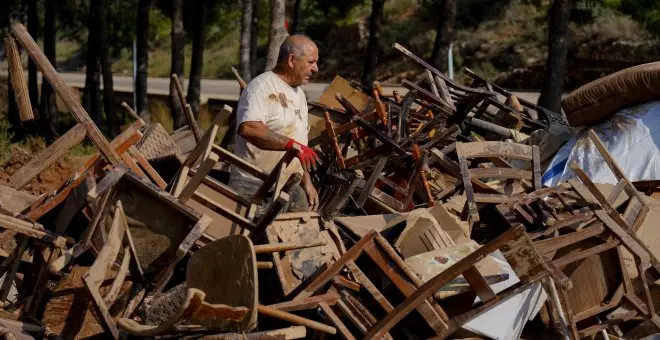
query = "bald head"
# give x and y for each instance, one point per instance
(297, 59)
(299, 45)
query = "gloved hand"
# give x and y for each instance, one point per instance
(308, 158)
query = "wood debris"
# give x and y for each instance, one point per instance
(433, 223)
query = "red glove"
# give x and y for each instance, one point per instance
(308, 158)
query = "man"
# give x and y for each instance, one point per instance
(272, 117)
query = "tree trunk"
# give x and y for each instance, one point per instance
(555, 72)
(254, 39)
(244, 54)
(297, 17)
(48, 104)
(178, 44)
(91, 98)
(371, 60)
(142, 56)
(106, 68)
(197, 60)
(277, 32)
(13, 15)
(444, 35)
(33, 29)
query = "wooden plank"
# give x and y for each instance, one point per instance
(239, 162)
(336, 267)
(203, 170)
(343, 331)
(221, 188)
(18, 82)
(34, 230)
(352, 316)
(144, 163)
(587, 186)
(207, 141)
(616, 169)
(270, 214)
(276, 247)
(500, 173)
(566, 260)
(346, 283)
(426, 290)
(371, 182)
(224, 211)
(64, 92)
(329, 298)
(111, 296)
(479, 285)
(552, 244)
(495, 149)
(406, 287)
(15, 261)
(361, 277)
(48, 156)
(631, 242)
(329, 128)
(443, 91)
(295, 319)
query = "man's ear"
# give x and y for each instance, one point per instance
(290, 60)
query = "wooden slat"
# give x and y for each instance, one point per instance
(224, 211)
(64, 93)
(500, 173)
(336, 267)
(479, 285)
(48, 156)
(196, 180)
(18, 82)
(552, 244)
(329, 298)
(364, 280)
(144, 163)
(566, 260)
(239, 162)
(345, 333)
(495, 149)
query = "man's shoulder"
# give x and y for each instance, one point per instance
(260, 82)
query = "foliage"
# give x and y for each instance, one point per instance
(5, 141)
(645, 11)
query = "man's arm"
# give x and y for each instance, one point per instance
(262, 137)
(312, 194)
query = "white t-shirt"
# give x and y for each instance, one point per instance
(270, 100)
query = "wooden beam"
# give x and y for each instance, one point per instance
(295, 319)
(18, 82)
(48, 156)
(64, 92)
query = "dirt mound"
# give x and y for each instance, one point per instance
(47, 181)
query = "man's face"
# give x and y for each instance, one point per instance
(303, 67)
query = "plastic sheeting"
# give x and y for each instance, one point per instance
(631, 136)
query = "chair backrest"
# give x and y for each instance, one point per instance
(496, 153)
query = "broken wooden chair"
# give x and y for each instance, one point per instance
(158, 216)
(498, 154)
(518, 250)
(392, 267)
(107, 256)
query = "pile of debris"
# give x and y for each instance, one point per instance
(433, 223)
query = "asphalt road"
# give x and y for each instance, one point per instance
(223, 89)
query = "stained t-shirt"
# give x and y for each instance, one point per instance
(270, 100)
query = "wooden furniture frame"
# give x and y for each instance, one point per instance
(107, 256)
(497, 150)
(392, 266)
(197, 223)
(519, 252)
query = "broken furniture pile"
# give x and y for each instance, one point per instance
(433, 223)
